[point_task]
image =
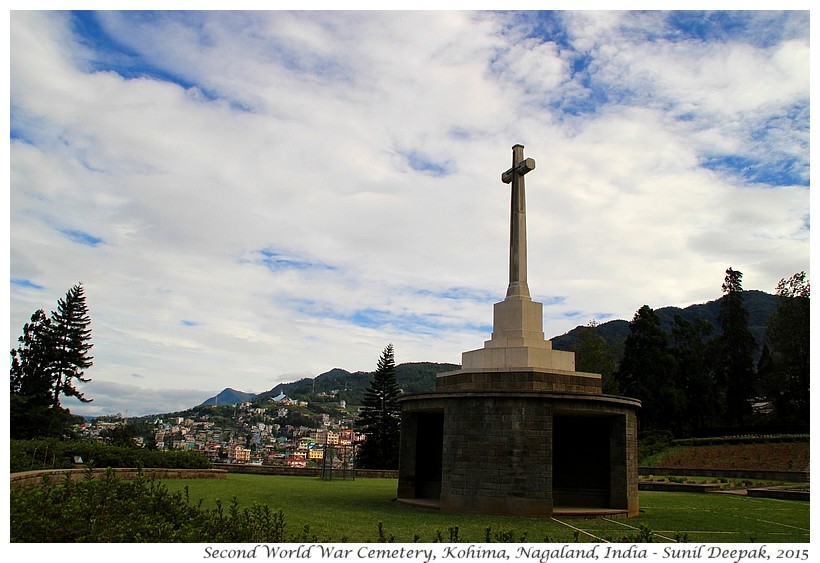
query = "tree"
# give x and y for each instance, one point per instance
(51, 353)
(121, 434)
(593, 354)
(736, 347)
(31, 402)
(31, 361)
(380, 416)
(647, 372)
(72, 344)
(694, 373)
(784, 366)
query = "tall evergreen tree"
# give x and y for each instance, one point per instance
(784, 366)
(736, 350)
(379, 417)
(32, 385)
(694, 374)
(593, 354)
(72, 335)
(647, 371)
(32, 360)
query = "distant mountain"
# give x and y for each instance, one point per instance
(759, 304)
(230, 397)
(341, 385)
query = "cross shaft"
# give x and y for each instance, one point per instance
(518, 222)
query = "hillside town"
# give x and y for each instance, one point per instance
(249, 433)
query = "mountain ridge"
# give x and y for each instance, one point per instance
(759, 304)
(338, 384)
(229, 396)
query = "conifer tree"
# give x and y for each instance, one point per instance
(736, 347)
(31, 361)
(695, 377)
(32, 386)
(72, 344)
(647, 371)
(786, 357)
(380, 415)
(593, 354)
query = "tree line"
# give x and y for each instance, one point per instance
(689, 379)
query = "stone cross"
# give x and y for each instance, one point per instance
(518, 222)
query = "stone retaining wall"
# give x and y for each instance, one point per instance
(57, 476)
(780, 493)
(790, 476)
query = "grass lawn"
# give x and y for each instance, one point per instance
(336, 511)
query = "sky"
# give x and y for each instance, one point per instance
(249, 198)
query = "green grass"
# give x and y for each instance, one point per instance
(336, 511)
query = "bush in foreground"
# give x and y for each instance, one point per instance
(136, 511)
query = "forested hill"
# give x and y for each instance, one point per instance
(341, 385)
(760, 306)
(229, 396)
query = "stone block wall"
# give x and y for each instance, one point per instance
(407, 456)
(496, 456)
(498, 451)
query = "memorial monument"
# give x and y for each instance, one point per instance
(517, 430)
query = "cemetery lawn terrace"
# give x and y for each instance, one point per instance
(350, 511)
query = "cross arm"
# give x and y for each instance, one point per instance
(521, 168)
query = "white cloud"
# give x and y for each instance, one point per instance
(248, 196)
(132, 399)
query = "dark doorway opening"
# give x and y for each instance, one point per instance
(429, 448)
(581, 461)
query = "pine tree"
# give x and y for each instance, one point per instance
(784, 368)
(72, 344)
(31, 361)
(380, 415)
(593, 354)
(647, 371)
(695, 376)
(736, 350)
(31, 401)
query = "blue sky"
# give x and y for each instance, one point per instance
(254, 197)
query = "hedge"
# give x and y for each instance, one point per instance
(30, 455)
